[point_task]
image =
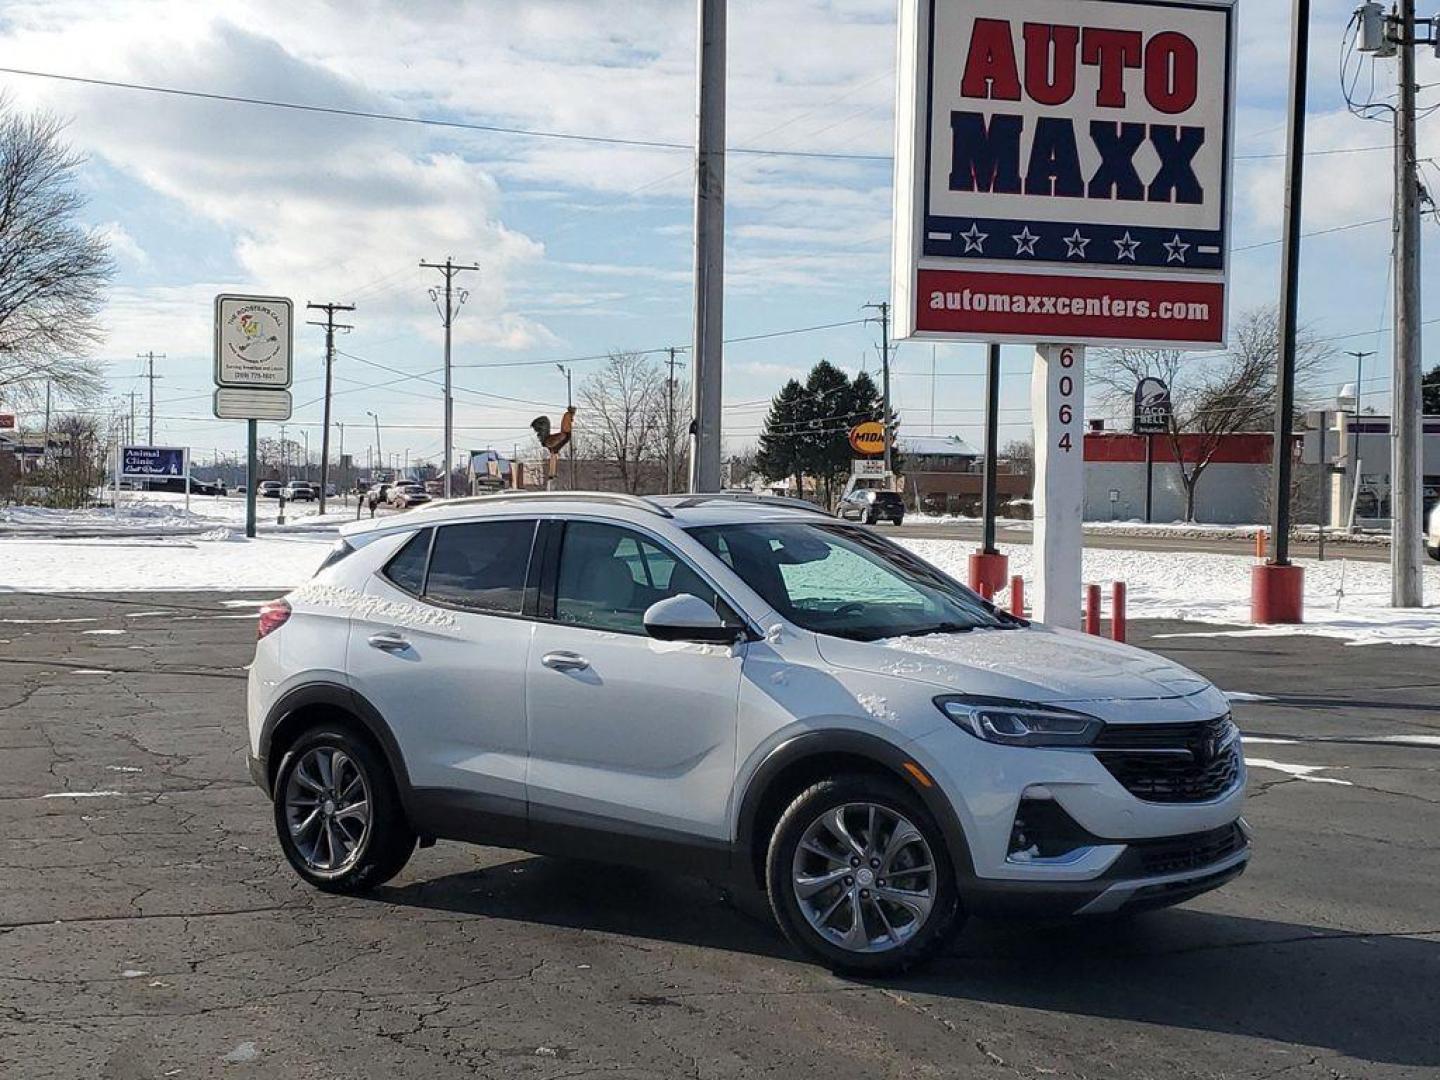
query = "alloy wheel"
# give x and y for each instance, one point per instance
(327, 809)
(864, 877)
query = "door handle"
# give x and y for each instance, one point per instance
(389, 641)
(565, 661)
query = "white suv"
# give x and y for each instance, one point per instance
(737, 688)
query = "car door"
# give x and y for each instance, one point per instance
(439, 647)
(628, 734)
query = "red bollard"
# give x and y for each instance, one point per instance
(1017, 596)
(1117, 611)
(1092, 610)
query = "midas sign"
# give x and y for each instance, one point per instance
(1063, 172)
(868, 438)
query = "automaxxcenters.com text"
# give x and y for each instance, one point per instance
(1104, 306)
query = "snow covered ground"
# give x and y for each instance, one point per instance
(162, 512)
(1344, 599)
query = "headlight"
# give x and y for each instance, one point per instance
(1019, 723)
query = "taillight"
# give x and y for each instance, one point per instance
(273, 615)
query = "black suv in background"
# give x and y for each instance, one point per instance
(871, 506)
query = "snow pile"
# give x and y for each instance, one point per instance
(1343, 599)
(162, 512)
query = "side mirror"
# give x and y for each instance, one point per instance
(688, 618)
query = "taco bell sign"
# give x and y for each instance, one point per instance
(1063, 170)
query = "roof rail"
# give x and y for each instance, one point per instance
(688, 501)
(616, 498)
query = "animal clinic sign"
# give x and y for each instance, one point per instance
(1062, 170)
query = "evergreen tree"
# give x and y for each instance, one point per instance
(780, 442)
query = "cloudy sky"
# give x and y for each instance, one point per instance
(583, 247)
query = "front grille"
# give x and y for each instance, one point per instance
(1176, 854)
(1202, 764)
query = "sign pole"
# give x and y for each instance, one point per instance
(1277, 588)
(187, 483)
(1149, 475)
(252, 475)
(1057, 402)
(989, 570)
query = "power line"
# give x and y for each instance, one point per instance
(459, 125)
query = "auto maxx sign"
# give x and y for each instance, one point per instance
(1062, 170)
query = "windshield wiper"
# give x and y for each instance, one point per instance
(941, 628)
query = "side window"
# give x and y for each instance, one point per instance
(481, 565)
(609, 576)
(407, 567)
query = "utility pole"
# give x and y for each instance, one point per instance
(1406, 481)
(1385, 34)
(670, 422)
(132, 416)
(150, 376)
(705, 384)
(569, 404)
(1359, 374)
(449, 268)
(45, 446)
(330, 326)
(884, 320)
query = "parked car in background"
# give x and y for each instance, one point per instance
(407, 494)
(270, 489)
(376, 496)
(301, 491)
(871, 506)
(1432, 534)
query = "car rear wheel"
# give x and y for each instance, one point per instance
(337, 814)
(859, 876)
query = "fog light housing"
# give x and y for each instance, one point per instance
(1043, 830)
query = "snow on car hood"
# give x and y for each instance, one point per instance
(1036, 663)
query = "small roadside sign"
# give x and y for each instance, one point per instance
(254, 336)
(151, 462)
(232, 403)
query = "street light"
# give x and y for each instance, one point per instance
(379, 457)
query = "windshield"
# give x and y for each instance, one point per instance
(846, 582)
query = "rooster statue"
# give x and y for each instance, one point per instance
(554, 441)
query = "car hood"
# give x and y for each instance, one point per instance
(1034, 663)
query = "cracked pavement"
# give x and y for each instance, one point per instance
(150, 928)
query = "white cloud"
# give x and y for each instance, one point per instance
(122, 245)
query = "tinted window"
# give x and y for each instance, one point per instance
(407, 568)
(846, 582)
(481, 565)
(609, 576)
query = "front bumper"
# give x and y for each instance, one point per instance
(1125, 887)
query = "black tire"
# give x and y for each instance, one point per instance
(387, 840)
(803, 812)
(899, 520)
(1434, 552)
(871, 519)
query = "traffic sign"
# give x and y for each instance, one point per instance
(149, 462)
(232, 403)
(254, 336)
(1063, 171)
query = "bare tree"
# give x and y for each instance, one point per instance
(1212, 397)
(53, 271)
(1020, 454)
(621, 416)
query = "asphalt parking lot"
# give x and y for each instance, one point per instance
(150, 928)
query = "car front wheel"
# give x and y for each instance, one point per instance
(337, 814)
(859, 876)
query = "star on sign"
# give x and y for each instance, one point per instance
(1125, 247)
(1075, 245)
(1024, 241)
(974, 239)
(1175, 250)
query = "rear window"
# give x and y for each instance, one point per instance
(889, 498)
(481, 565)
(407, 568)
